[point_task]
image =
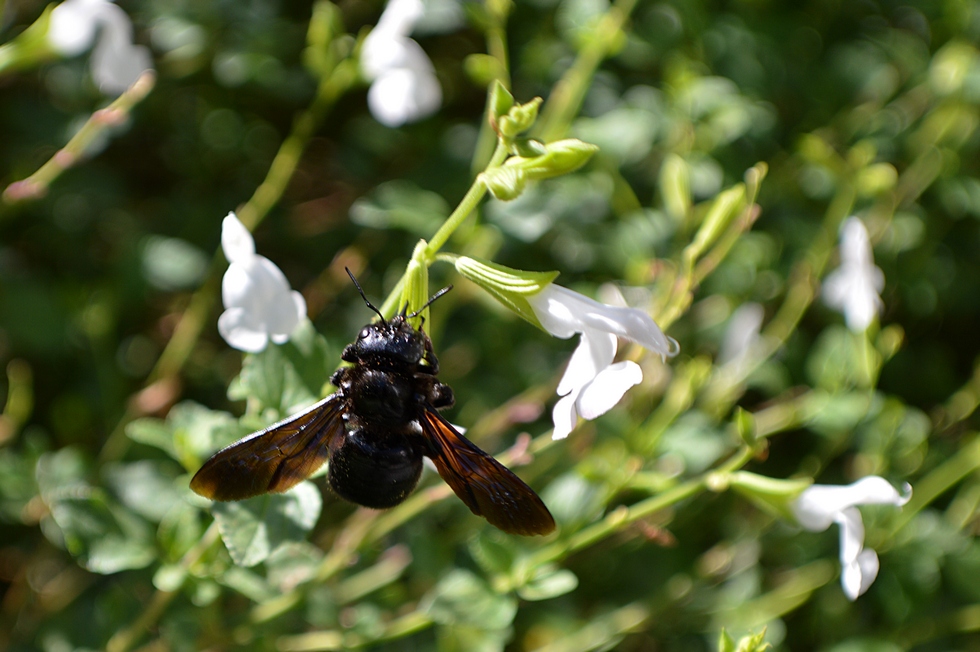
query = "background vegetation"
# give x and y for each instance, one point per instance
(117, 383)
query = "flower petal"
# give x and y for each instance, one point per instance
(403, 95)
(594, 353)
(117, 65)
(241, 332)
(259, 302)
(72, 26)
(284, 315)
(236, 241)
(742, 332)
(858, 576)
(818, 505)
(851, 534)
(116, 62)
(564, 416)
(554, 313)
(853, 288)
(609, 386)
(562, 311)
(400, 16)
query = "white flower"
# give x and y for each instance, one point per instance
(404, 86)
(592, 384)
(116, 61)
(820, 505)
(259, 304)
(853, 287)
(742, 334)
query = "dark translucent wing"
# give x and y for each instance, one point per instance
(487, 487)
(274, 459)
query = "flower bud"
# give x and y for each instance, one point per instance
(505, 183)
(501, 100)
(745, 425)
(675, 186)
(560, 157)
(720, 215)
(528, 147)
(518, 119)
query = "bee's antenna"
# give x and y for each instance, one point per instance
(429, 302)
(363, 296)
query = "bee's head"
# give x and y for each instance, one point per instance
(394, 339)
(391, 340)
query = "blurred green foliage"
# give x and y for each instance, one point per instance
(868, 108)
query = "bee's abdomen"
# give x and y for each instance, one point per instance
(374, 469)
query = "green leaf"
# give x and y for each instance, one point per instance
(146, 487)
(180, 529)
(288, 376)
(401, 205)
(172, 264)
(549, 582)
(61, 470)
(252, 529)
(493, 551)
(153, 432)
(292, 563)
(574, 500)
(463, 598)
(832, 414)
(198, 432)
(104, 537)
(249, 584)
(725, 642)
(469, 638)
(169, 577)
(835, 361)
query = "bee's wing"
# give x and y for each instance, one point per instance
(487, 487)
(274, 459)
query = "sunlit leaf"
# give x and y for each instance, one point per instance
(463, 598)
(252, 529)
(549, 583)
(104, 537)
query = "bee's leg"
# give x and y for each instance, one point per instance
(441, 396)
(432, 366)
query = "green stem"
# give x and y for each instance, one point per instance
(36, 185)
(427, 255)
(466, 206)
(939, 481)
(623, 516)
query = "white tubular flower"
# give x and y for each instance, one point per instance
(854, 287)
(820, 505)
(742, 334)
(592, 384)
(259, 304)
(404, 87)
(116, 61)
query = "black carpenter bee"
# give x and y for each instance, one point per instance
(374, 431)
